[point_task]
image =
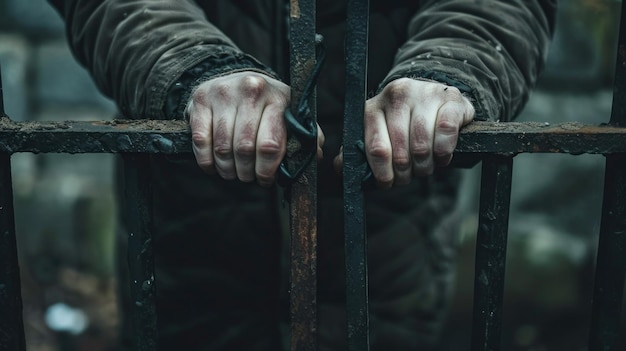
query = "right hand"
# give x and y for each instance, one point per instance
(237, 126)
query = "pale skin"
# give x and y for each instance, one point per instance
(238, 131)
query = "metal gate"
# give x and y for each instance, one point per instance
(495, 144)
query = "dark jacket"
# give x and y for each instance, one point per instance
(136, 50)
(217, 248)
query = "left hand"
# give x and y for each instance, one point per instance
(411, 127)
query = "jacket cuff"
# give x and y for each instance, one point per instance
(180, 92)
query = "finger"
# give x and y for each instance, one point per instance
(421, 140)
(450, 118)
(201, 136)
(270, 144)
(338, 162)
(223, 130)
(249, 111)
(398, 117)
(321, 138)
(378, 147)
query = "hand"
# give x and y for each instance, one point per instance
(411, 127)
(237, 126)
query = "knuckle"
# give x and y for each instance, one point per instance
(379, 151)
(223, 151)
(253, 86)
(199, 139)
(269, 148)
(245, 148)
(200, 97)
(446, 126)
(223, 91)
(420, 150)
(442, 150)
(402, 162)
(397, 92)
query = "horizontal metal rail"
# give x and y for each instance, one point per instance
(494, 143)
(173, 137)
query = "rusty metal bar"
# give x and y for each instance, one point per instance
(611, 258)
(172, 137)
(11, 324)
(491, 242)
(303, 192)
(354, 170)
(138, 197)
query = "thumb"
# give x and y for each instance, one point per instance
(320, 142)
(338, 162)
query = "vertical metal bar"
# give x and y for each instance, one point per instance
(2, 114)
(11, 324)
(138, 197)
(303, 193)
(353, 174)
(491, 242)
(611, 259)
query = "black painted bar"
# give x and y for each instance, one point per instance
(353, 173)
(138, 197)
(11, 324)
(611, 260)
(491, 242)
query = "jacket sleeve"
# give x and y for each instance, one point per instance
(491, 50)
(137, 50)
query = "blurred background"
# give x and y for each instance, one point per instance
(65, 211)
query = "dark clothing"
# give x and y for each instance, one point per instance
(219, 243)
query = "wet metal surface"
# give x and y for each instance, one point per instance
(491, 242)
(353, 173)
(303, 192)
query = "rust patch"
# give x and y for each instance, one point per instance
(295, 9)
